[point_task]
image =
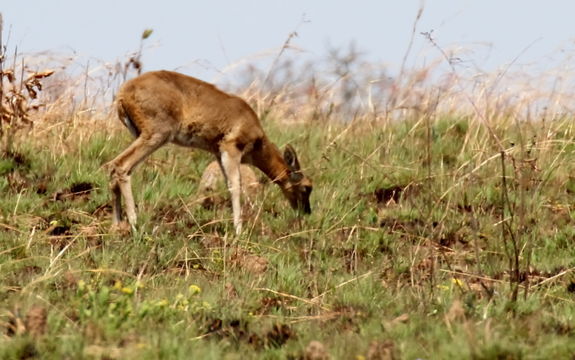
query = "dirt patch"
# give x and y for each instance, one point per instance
(465, 207)
(269, 304)
(212, 241)
(182, 267)
(42, 187)
(349, 316)
(408, 226)
(68, 281)
(239, 331)
(79, 190)
(176, 217)
(18, 181)
(235, 330)
(17, 160)
(103, 211)
(122, 229)
(254, 264)
(16, 167)
(55, 225)
(393, 194)
(36, 321)
(215, 201)
(384, 195)
(31, 270)
(58, 230)
(453, 237)
(279, 335)
(170, 213)
(536, 276)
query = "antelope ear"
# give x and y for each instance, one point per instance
(290, 158)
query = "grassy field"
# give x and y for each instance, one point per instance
(416, 248)
(442, 225)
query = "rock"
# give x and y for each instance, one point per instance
(212, 185)
(315, 351)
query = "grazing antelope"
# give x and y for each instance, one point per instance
(163, 106)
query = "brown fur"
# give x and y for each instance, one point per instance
(163, 106)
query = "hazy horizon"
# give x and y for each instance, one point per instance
(204, 39)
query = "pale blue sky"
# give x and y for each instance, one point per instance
(217, 33)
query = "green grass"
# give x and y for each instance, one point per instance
(424, 274)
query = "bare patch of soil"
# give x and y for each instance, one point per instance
(76, 191)
(36, 321)
(384, 195)
(183, 266)
(254, 264)
(18, 159)
(239, 331)
(170, 213)
(269, 304)
(103, 211)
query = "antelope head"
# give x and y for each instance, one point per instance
(297, 187)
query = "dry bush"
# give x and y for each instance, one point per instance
(19, 88)
(344, 86)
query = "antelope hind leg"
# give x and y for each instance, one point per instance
(121, 168)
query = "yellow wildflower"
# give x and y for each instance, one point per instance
(194, 289)
(127, 290)
(457, 282)
(118, 284)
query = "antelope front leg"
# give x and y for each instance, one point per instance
(121, 186)
(116, 201)
(126, 189)
(230, 161)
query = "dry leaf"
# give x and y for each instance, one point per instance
(40, 75)
(9, 73)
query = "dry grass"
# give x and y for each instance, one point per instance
(443, 208)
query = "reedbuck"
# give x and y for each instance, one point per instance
(163, 106)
